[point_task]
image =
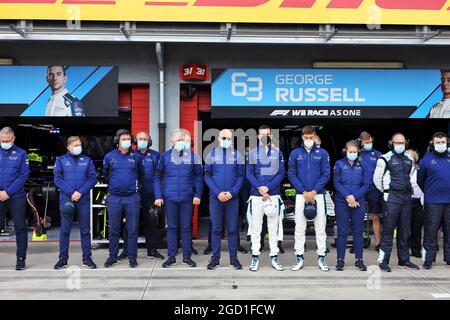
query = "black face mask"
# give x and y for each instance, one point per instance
(265, 140)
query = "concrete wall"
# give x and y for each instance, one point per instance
(137, 62)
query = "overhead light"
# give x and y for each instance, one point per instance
(6, 61)
(358, 65)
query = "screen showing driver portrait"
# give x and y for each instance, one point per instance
(442, 109)
(61, 103)
(56, 90)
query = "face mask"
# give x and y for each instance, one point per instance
(225, 144)
(142, 144)
(399, 148)
(440, 148)
(76, 151)
(352, 156)
(448, 149)
(265, 140)
(6, 145)
(179, 146)
(308, 143)
(126, 144)
(187, 145)
(368, 146)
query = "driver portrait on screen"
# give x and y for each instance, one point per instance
(442, 109)
(61, 103)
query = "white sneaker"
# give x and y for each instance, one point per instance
(276, 264)
(255, 263)
(323, 264)
(298, 263)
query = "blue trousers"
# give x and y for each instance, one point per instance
(117, 206)
(179, 214)
(218, 210)
(345, 214)
(397, 214)
(17, 207)
(83, 213)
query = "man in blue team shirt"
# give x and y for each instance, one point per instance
(433, 177)
(14, 172)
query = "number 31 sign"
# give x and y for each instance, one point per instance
(194, 71)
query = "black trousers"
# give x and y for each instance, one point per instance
(417, 220)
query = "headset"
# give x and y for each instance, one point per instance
(431, 143)
(391, 143)
(120, 133)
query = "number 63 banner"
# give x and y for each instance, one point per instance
(330, 93)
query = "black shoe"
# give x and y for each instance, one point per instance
(20, 264)
(241, 249)
(340, 265)
(249, 238)
(408, 265)
(416, 254)
(171, 261)
(384, 267)
(352, 250)
(427, 265)
(213, 263)
(110, 262)
(208, 250)
(187, 261)
(88, 263)
(234, 263)
(377, 248)
(280, 246)
(153, 254)
(133, 263)
(62, 263)
(123, 255)
(194, 252)
(359, 264)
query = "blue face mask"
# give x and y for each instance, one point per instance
(368, 146)
(225, 144)
(399, 148)
(76, 151)
(352, 156)
(126, 144)
(142, 144)
(6, 145)
(179, 146)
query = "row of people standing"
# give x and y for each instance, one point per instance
(176, 180)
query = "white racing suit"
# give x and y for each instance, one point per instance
(255, 215)
(320, 223)
(440, 110)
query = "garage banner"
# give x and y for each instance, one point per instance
(58, 91)
(368, 12)
(331, 93)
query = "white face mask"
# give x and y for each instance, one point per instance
(440, 148)
(308, 143)
(225, 143)
(125, 144)
(6, 145)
